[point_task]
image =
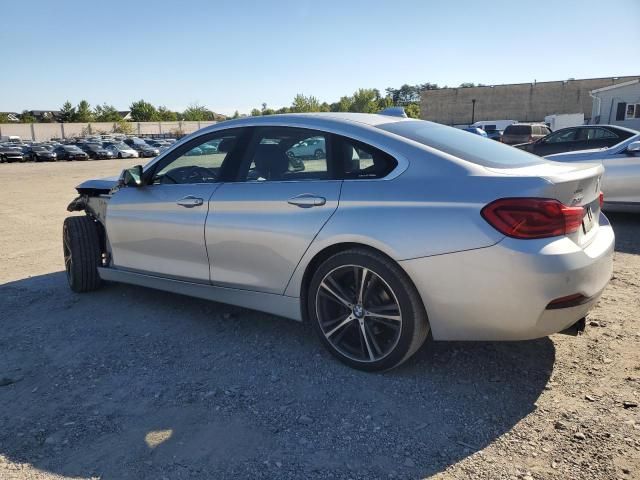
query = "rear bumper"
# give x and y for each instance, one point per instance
(502, 292)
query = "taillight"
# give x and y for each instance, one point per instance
(601, 198)
(528, 218)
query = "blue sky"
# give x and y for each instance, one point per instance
(230, 55)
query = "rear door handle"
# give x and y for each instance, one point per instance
(307, 200)
(190, 202)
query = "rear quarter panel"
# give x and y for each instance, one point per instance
(412, 217)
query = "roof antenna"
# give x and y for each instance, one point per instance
(394, 112)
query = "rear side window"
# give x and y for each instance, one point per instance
(456, 142)
(286, 154)
(361, 161)
(518, 130)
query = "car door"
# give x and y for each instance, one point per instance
(158, 227)
(260, 226)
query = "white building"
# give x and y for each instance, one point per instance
(617, 104)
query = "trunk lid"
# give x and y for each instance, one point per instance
(573, 184)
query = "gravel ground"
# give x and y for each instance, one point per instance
(128, 382)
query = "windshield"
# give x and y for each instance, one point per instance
(71, 148)
(38, 149)
(472, 148)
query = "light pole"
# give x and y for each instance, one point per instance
(473, 110)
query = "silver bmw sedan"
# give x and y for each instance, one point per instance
(399, 227)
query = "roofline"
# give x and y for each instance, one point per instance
(533, 83)
(617, 85)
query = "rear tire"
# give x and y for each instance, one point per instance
(82, 253)
(377, 319)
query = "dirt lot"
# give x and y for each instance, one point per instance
(132, 383)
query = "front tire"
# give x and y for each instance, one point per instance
(82, 253)
(366, 310)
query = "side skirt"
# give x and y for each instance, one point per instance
(280, 305)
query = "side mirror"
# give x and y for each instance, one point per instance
(131, 177)
(633, 147)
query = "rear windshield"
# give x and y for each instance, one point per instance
(472, 148)
(518, 130)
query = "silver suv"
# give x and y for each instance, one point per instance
(524, 133)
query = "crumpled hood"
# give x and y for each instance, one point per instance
(105, 184)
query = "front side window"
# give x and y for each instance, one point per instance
(199, 161)
(286, 154)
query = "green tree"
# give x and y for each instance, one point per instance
(366, 100)
(142, 111)
(235, 115)
(412, 110)
(4, 118)
(166, 115)
(83, 112)
(255, 112)
(122, 126)
(467, 85)
(268, 111)
(283, 110)
(196, 113)
(302, 104)
(26, 117)
(106, 113)
(67, 112)
(342, 105)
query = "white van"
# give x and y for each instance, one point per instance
(10, 139)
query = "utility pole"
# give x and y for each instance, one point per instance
(473, 111)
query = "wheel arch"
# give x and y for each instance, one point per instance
(301, 287)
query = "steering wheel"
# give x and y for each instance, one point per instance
(189, 174)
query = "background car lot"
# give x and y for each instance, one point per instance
(130, 382)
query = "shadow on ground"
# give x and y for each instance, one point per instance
(625, 226)
(128, 382)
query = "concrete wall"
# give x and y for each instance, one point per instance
(46, 131)
(609, 100)
(525, 102)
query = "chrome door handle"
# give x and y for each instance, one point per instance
(307, 200)
(190, 202)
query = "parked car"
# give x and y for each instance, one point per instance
(524, 132)
(143, 149)
(311, 148)
(493, 133)
(39, 153)
(476, 131)
(121, 150)
(400, 230)
(70, 152)
(11, 154)
(97, 151)
(621, 181)
(578, 138)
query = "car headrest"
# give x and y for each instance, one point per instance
(227, 144)
(270, 161)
